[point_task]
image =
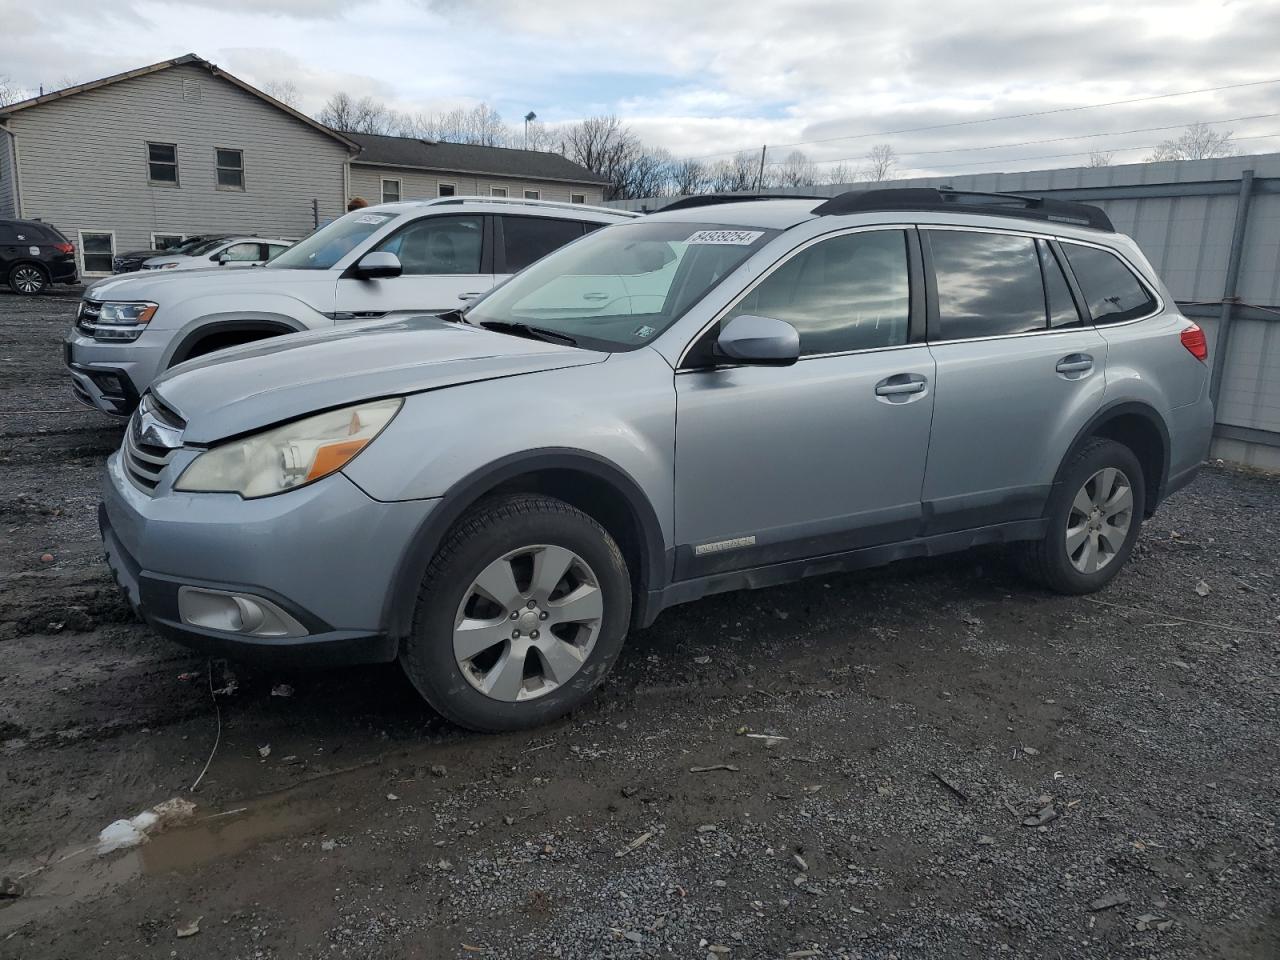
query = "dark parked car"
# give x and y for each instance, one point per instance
(134, 259)
(34, 255)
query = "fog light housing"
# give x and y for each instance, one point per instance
(230, 612)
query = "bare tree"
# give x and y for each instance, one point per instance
(607, 146)
(882, 162)
(688, 177)
(538, 136)
(286, 91)
(481, 126)
(736, 175)
(1198, 142)
(366, 115)
(10, 92)
(797, 170)
(1100, 158)
(840, 173)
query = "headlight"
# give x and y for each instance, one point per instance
(289, 456)
(118, 321)
(126, 313)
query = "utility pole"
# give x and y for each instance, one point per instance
(760, 176)
(528, 117)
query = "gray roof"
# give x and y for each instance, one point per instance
(466, 158)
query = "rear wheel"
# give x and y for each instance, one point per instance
(520, 615)
(1094, 518)
(28, 279)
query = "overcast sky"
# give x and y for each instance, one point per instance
(706, 77)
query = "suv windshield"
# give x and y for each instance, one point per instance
(331, 243)
(618, 288)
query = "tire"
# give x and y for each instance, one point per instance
(28, 279)
(459, 654)
(1061, 560)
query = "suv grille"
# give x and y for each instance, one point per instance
(145, 462)
(87, 316)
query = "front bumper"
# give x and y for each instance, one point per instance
(325, 554)
(111, 376)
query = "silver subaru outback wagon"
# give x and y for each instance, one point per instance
(715, 397)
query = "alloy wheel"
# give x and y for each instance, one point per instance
(1099, 520)
(528, 623)
(27, 280)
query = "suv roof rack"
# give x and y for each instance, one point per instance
(555, 204)
(989, 204)
(711, 199)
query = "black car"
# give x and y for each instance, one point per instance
(134, 259)
(33, 255)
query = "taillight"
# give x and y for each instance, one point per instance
(65, 247)
(1193, 339)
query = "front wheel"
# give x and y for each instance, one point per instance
(28, 279)
(521, 614)
(1094, 516)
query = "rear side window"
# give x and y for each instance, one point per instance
(526, 239)
(1057, 294)
(847, 293)
(1111, 291)
(988, 284)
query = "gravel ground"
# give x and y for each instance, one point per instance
(934, 760)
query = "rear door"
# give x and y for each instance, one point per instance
(446, 260)
(1019, 372)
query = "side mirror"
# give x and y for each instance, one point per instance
(221, 259)
(378, 264)
(761, 341)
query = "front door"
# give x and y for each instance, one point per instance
(827, 455)
(444, 260)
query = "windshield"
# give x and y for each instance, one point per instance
(618, 288)
(207, 246)
(331, 243)
(191, 245)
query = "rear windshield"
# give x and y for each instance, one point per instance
(332, 242)
(618, 288)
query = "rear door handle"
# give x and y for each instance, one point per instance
(1075, 363)
(901, 387)
(595, 296)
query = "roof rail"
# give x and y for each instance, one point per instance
(556, 204)
(712, 199)
(989, 204)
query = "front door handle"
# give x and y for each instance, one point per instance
(901, 387)
(595, 296)
(1075, 365)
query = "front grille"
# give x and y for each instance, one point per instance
(145, 462)
(87, 316)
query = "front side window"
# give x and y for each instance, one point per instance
(324, 248)
(98, 250)
(847, 293)
(526, 239)
(988, 284)
(619, 288)
(438, 245)
(230, 164)
(242, 253)
(1111, 292)
(390, 191)
(162, 163)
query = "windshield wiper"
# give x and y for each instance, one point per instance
(532, 333)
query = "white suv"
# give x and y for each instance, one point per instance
(235, 251)
(395, 259)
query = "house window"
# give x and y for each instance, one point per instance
(533, 195)
(165, 241)
(497, 191)
(97, 249)
(390, 191)
(162, 163)
(577, 198)
(230, 165)
(446, 190)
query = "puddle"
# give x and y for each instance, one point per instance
(77, 874)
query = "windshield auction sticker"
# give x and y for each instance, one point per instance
(739, 238)
(371, 218)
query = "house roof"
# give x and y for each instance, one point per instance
(413, 153)
(185, 59)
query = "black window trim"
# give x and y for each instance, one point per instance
(916, 303)
(176, 182)
(500, 236)
(934, 326)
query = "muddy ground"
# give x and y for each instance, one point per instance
(965, 766)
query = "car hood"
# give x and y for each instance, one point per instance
(271, 381)
(164, 286)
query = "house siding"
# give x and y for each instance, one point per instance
(83, 161)
(366, 181)
(8, 183)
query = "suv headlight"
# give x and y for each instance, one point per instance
(117, 320)
(290, 456)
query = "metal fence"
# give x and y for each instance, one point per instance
(1212, 230)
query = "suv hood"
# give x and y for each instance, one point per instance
(247, 388)
(164, 286)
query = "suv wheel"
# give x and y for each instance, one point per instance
(28, 279)
(1094, 519)
(520, 615)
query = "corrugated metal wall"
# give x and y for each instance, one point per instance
(1184, 215)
